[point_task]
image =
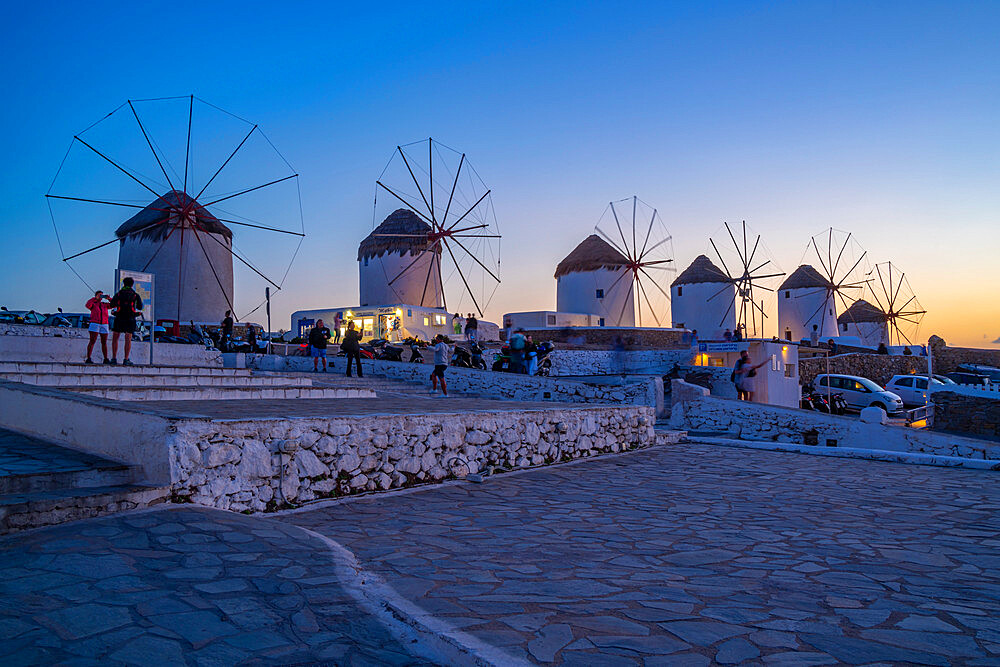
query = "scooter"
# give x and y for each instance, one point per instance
(477, 357)
(387, 352)
(501, 359)
(461, 358)
(544, 363)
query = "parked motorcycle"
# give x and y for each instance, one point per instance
(501, 359)
(544, 362)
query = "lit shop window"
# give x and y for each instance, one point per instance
(439, 320)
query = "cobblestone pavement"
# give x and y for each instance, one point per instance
(24, 455)
(180, 586)
(693, 553)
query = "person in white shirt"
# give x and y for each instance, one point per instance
(441, 353)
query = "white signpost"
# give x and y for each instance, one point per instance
(143, 284)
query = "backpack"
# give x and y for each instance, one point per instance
(517, 342)
(127, 303)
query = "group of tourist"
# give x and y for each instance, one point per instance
(126, 306)
(471, 327)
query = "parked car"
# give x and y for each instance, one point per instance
(959, 377)
(72, 320)
(911, 388)
(981, 369)
(861, 392)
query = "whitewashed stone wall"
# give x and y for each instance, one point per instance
(37, 330)
(257, 465)
(490, 384)
(606, 362)
(693, 409)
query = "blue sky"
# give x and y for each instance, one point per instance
(879, 119)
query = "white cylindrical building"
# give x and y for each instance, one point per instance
(805, 300)
(865, 321)
(189, 252)
(395, 265)
(590, 280)
(703, 299)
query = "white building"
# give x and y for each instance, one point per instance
(775, 383)
(806, 299)
(391, 322)
(541, 319)
(865, 321)
(190, 253)
(395, 265)
(703, 299)
(593, 279)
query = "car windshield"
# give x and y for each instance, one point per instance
(869, 384)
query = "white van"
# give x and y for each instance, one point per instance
(860, 392)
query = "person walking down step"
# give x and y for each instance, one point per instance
(441, 353)
(318, 337)
(98, 307)
(127, 306)
(352, 348)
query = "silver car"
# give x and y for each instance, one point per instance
(860, 392)
(911, 388)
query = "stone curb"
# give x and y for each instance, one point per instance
(429, 637)
(910, 458)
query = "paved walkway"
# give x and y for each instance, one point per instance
(694, 553)
(181, 586)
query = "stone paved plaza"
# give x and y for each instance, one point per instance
(688, 554)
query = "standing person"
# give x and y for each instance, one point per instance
(814, 336)
(738, 334)
(456, 323)
(743, 373)
(728, 336)
(227, 331)
(694, 338)
(352, 347)
(441, 351)
(127, 306)
(832, 344)
(98, 308)
(882, 349)
(531, 352)
(472, 328)
(517, 343)
(337, 321)
(318, 337)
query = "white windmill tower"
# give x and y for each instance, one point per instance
(691, 303)
(865, 321)
(619, 272)
(812, 296)
(398, 265)
(585, 279)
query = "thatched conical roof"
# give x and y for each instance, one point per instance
(701, 270)
(412, 236)
(861, 311)
(156, 220)
(592, 254)
(805, 276)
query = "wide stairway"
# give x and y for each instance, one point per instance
(173, 383)
(42, 484)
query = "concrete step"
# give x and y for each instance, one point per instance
(136, 380)
(11, 366)
(197, 393)
(45, 508)
(28, 465)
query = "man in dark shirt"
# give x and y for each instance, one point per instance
(318, 336)
(227, 330)
(126, 306)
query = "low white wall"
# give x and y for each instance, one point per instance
(489, 384)
(91, 425)
(258, 465)
(36, 330)
(693, 409)
(608, 362)
(73, 350)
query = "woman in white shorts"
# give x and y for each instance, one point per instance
(98, 307)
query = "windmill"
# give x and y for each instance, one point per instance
(445, 238)
(830, 278)
(753, 269)
(645, 264)
(893, 295)
(187, 173)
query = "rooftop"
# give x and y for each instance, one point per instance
(593, 254)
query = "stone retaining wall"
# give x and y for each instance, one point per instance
(604, 337)
(64, 345)
(878, 368)
(961, 413)
(256, 465)
(947, 359)
(489, 384)
(693, 409)
(606, 362)
(38, 330)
